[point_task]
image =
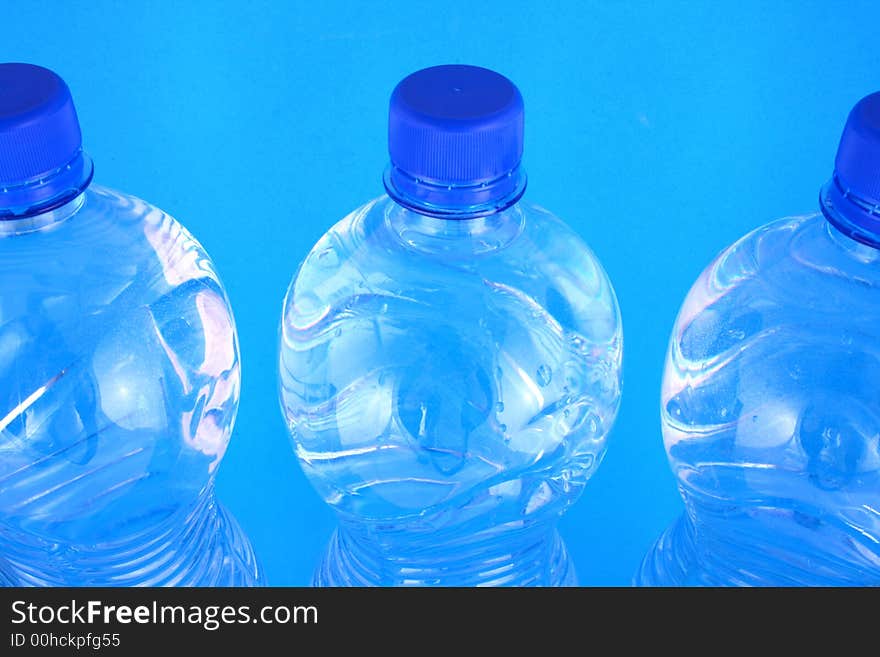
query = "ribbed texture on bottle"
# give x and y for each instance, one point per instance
(523, 559)
(208, 548)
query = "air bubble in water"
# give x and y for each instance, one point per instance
(545, 374)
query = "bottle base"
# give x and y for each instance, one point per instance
(240, 564)
(671, 561)
(541, 562)
(676, 559)
(212, 551)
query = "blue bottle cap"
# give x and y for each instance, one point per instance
(455, 136)
(41, 158)
(851, 199)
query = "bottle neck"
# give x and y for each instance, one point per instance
(198, 546)
(41, 202)
(500, 556)
(456, 201)
(46, 220)
(760, 545)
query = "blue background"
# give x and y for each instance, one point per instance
(662, 131)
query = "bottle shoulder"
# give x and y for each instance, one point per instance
(526, 250)
(110, 243)
(794, 274)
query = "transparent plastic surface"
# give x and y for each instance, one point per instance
(771, 418)
(449, 385)
(119, 384)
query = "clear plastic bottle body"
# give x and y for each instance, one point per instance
(449, 385)
(119, 385)
(770, 415)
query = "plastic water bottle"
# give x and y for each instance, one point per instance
(770, 405)
(119, 370)
(451, 355)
